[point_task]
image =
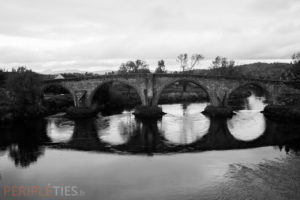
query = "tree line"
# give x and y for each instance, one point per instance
(186, 64)
(22, 94)
(219, 66)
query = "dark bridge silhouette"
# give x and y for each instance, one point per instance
(27, 142)
(148, 139)
(150, 86)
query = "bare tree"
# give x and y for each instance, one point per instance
(296, 65)
(195, 59)
(183, 60)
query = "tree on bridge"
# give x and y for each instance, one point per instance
(296, 65)
(222, 62)
(161, 68)
(183, 60)
(223, 66)
(138, 66)
(2, 77)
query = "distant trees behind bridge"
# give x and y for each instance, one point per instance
(138, 66)
(188, 63)
(220, 66)
(296, 65)
(161, 68)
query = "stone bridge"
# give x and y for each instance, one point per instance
(150, 86)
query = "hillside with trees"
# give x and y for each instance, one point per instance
(274, 71)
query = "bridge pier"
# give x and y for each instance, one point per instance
(218, 98)
(80, 98)
(148, 92)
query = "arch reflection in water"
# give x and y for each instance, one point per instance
(59, 129)
(184, 123)
(116, 129)
(247, 125)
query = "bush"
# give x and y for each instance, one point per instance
(22, 97)
(25, 87)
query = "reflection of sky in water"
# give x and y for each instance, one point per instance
(2, 153)
(184, 124)
(163, 176)
(116, 129)
(247, 125)
(59, 129)
(184, 109)
(115, 177)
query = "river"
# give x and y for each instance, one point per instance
(185, 155)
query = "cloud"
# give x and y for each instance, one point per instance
(102, 33)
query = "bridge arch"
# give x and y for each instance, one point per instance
(161, 88)
(47, 86)
(124, 82)
(55, 97)
(260, 90)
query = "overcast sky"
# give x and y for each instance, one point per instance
(90, 35)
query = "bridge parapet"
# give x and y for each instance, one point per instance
(181, 75)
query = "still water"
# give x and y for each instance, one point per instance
(185, 155)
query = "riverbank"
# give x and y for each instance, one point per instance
(9, 113)
(282, 113)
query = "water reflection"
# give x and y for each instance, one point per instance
(185, 109)
(116, 129)
(145, 139)
(184, 124)
(186, 130)
(247, 125)
(106, 150)
(59, 129)
(24, 155)
(24, 142)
